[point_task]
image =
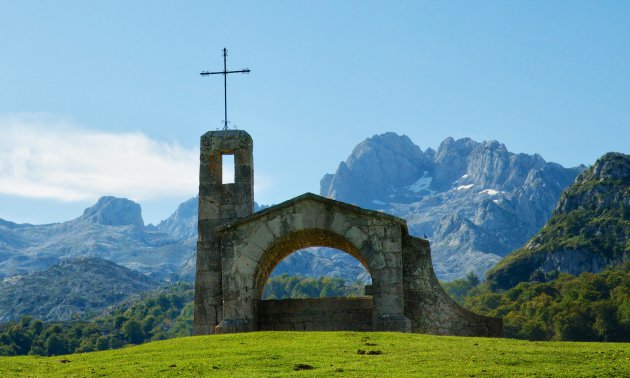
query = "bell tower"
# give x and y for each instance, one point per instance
(223, 198)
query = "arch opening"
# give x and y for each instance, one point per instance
(297, 241)
(317, 301)
(317, 272)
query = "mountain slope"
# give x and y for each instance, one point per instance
(474, 201)
(182, 224)
(112, 229)
(73, 286)
(588, 231)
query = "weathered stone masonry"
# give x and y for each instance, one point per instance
(237, 250)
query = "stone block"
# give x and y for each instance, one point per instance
(262, 236)
(356, 236)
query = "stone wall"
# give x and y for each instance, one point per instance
(429, 307)
(316, 314)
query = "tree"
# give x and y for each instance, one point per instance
(37, 326)
(147, 324)
(102, 343)
(38, 347)
(132, 330)
(606, 322)
(573, 325)
(119, 321)
(7, 350)
(55, 345)
(472, 279)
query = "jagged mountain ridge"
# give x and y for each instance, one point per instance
(70, 288)
(588, 231)
(112, 229)
(475, 201)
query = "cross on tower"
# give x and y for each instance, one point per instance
(225, 72)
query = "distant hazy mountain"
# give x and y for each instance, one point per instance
(70, 288)
(588, 231)
(319, 262)
(182, 224)
(112, 229)
(474, 201)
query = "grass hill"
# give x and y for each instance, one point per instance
(354, 354)
(588, 230)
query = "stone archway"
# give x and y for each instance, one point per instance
(253, 246)
(312, 314)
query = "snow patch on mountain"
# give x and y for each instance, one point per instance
(422, 185)
(490, 192)
(464, 187)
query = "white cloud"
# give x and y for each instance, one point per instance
(43, 158)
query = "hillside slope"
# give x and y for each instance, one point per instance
(588, 231)
(72, 287)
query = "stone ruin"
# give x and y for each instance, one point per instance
(238, 249)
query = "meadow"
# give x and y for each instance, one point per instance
(356, 354)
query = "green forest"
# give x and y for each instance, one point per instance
(162, 314)
(285, 286)
(589, 307)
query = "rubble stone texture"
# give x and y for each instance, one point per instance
(237, 250)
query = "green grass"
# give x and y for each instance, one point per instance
(334, 354)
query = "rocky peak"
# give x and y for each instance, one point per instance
(611, 166)
(182, 224)
(113, 211)
(451, 161)
(475, 201)
(603, 185)
(377, 165)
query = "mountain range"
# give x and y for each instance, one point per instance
(475, 201)
(112, 229)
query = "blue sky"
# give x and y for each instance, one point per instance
(105, 98)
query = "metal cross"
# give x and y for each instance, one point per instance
(225, 72)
